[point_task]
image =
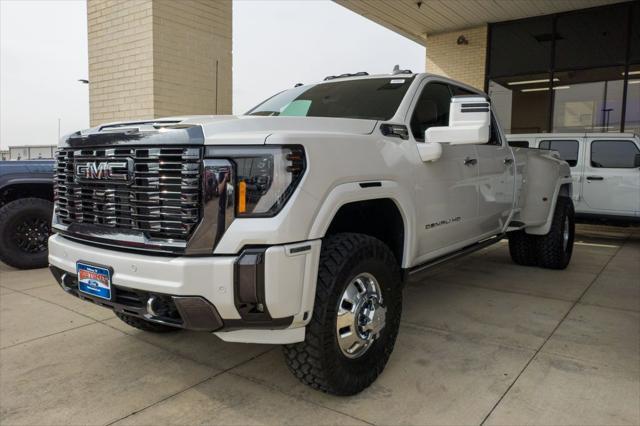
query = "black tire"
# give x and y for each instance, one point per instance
(523, 248)
(553, 250)
(318, 361)
(144, 325)
(25, 226)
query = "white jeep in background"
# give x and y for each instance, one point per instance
(298, 222)
(605, 168)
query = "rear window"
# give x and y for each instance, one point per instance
(614, 154)
(369, 99)
(568, 150)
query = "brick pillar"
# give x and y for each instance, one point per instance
(154, 58)
(464, 62)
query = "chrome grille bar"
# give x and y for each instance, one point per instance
(163, 200)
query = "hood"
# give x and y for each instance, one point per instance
(220, 129)
(255, 129)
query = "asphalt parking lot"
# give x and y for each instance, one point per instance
(483, 341)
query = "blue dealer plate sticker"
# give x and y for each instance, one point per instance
(94, 280)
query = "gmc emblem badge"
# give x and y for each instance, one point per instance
(114, 171)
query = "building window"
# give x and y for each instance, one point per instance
(521, 103)
(632, 113)
(614, 154)
(568, 150)
(509, 39)
(588, 100)
(591, 38)
(566, 72)
(635, 34)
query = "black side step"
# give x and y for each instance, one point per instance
(417, 272)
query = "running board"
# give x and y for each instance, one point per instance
(417, 272)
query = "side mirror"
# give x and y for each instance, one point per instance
(469, 121)
(636, 160)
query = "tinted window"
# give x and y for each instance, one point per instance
(370, 98)
(591, 38)
(568, 150)
(519, 144)
(521, 47)
(431, 110)
(613, 154)
(635, 34)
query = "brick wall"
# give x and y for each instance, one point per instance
(192, 57)
(154, 58)
(465, 63)
(120, 59)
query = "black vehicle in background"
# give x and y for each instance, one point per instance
(26, 209)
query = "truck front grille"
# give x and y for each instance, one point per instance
(161, 198)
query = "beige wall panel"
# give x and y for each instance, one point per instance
(464, 62)
(154, 58)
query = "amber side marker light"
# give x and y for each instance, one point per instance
(242, 197)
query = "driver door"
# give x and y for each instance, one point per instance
(447, 189)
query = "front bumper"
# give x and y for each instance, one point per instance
(189, 312)
(279, 295)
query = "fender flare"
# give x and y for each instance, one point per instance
(11, 181)
(352, 192)
(546, 226)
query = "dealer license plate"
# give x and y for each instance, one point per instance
(94, 280)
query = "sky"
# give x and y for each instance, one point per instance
(276, 44)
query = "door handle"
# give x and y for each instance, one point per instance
(508, 160)
(470, 161)
(595, 178)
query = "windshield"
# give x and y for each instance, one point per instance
(370, 99)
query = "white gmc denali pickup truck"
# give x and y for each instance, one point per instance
(299, 222)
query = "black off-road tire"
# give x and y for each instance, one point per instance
(143, 325)
(319, 361)
(523, 248)
(25, 212)
(552, 252)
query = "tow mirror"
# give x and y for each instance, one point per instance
(469, 121)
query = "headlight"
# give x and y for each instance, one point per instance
(265, 177)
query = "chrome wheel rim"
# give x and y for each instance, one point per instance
(361, 316)
(565, 234)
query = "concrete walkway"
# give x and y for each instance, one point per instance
(483, 341)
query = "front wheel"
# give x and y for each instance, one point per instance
(355, 317)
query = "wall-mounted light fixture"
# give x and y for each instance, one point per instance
(462, 40)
